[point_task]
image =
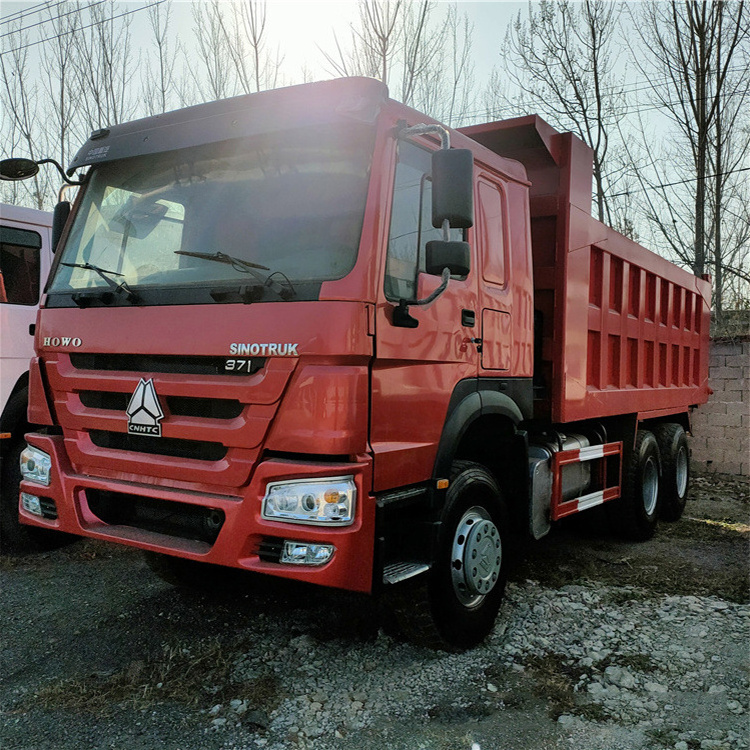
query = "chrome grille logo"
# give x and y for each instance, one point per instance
(144, 410)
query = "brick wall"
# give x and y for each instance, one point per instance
(721, 428)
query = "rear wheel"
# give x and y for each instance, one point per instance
(456, 606)
(636, 513)
(675, 462)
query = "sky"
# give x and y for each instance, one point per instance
(309, 25)
(303, 28)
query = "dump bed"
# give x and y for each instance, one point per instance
(622, 330)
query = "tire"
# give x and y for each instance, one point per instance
(675, 465)
(15, 538)
(455, 606)
(636, 513)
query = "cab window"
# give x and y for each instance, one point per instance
(411, 222)
(492, 233)
(19, 266)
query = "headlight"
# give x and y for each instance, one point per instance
(324, 502)
(35, 465)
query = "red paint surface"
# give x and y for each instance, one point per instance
(610, 346)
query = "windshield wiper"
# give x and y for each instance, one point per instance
(120, 287)
(246, 266)
(219, 257)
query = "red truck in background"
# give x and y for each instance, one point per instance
(294, 333)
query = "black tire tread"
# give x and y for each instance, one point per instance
(410, 603)
(625, 514)
(670, 435)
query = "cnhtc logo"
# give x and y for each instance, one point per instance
(144, 411)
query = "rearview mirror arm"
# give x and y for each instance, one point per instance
(401, 315)
(61, 171)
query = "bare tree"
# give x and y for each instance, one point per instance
(446, 89)
(729, 150)
(219, 79)
(104, 66)
(246, 32)
(423, 58)
(379, 35)
(561, 59)
(61, 99)
(421, 48)
(733, 279)
(20, 99)
(374, 41)
(696, 57)
(159, 76)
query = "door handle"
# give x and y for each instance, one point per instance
(468, 318)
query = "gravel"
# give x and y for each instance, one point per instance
(679, 653)
(600, 645)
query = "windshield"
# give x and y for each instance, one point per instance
(266, 218)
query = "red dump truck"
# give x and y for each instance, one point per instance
(310, 333)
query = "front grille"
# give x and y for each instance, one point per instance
(199, 450)
(182, 406)
(166, 364)
(169, 517)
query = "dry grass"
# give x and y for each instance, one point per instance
(555, 679)
(634, 662)
(195, 676)
(726, 524)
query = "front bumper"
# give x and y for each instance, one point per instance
(243, 534)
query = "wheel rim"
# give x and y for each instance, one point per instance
(650, 485)
(681, 471)
(476, 557)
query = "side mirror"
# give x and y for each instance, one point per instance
(59, 219)
(455, 256)
(17, 169)
(453, 188)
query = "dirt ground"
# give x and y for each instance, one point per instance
(99, 653)
(705, 553)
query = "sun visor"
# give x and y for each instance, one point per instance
(239, 117)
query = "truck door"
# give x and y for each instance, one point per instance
(495, 299)
(416, 369)
(24, 261)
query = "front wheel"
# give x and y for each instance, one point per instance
(456, 606)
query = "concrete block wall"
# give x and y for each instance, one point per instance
(721, 428)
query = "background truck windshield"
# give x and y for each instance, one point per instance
(283, 212)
